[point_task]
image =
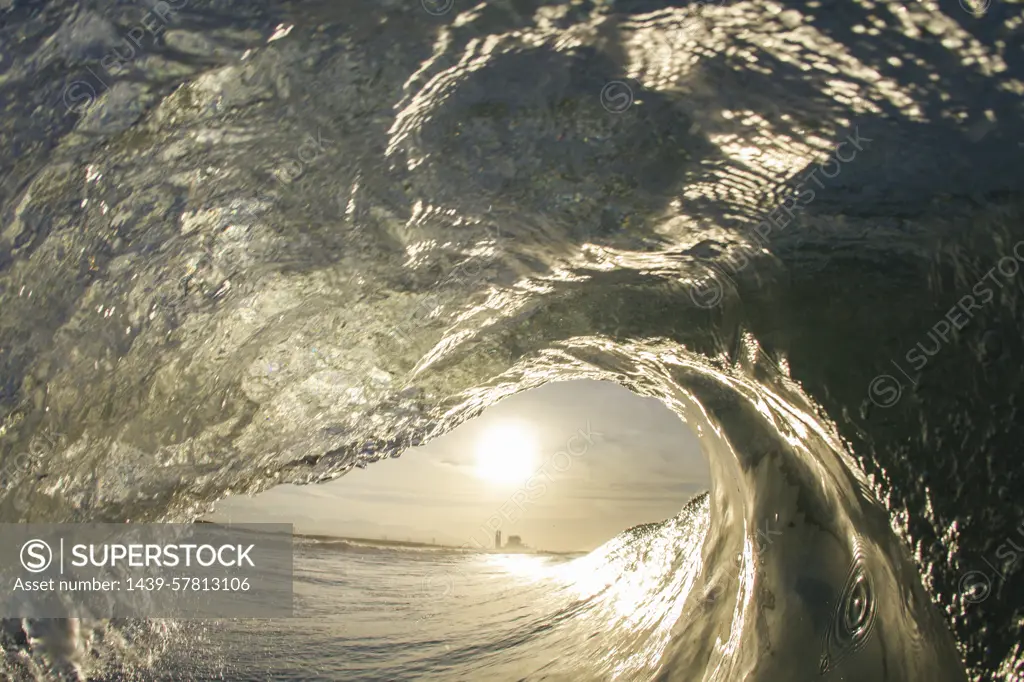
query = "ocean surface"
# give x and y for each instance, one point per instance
(371, 613)
(246, 243)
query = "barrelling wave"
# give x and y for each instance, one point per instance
(195, 301)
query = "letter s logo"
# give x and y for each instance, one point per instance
(36, 556)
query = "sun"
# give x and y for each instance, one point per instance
(506, 453)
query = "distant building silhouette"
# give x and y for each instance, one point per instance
(514, 541)
(497, 539)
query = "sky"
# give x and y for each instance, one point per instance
(566, 466)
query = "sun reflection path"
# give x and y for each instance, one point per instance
(635, 586)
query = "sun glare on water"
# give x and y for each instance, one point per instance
(506, 454)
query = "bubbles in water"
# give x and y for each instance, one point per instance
(853, 617)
